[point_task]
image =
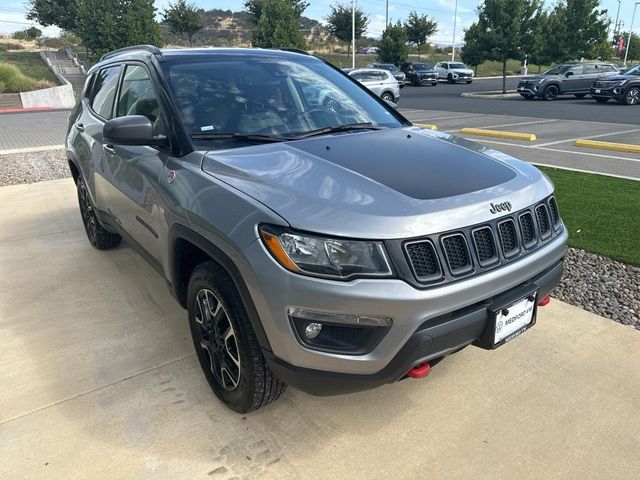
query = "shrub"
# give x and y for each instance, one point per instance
(14, 80)
(10, 46)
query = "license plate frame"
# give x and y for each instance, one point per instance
(597, 90)
(496, 335)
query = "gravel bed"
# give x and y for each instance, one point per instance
(602, 286)
(590, 281)
(16, 168)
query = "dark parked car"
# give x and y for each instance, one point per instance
(568, 79)
(625, 88)
(327, 245)
(420, 73)
(398, 74)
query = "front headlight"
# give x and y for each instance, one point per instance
(325, 257)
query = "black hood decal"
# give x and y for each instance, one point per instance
(416, 165)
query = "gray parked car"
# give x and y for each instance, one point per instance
(381, 82)
(454, 72)
(398, 74)
(331, 249)
(568, 79)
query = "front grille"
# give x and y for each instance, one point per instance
(555, 214)
(485, 246)
(448, 256)
(528, 229)
(544, 227)
(424, 260)
(457, 253)
(508, 238)
(605, 83)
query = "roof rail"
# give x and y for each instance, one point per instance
(147, 48)
(293, 50)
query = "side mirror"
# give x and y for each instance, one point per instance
(131, 130)
(569, 74)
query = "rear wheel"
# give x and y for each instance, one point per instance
(98, 236)
(450, 78)
(550, 93)
(580, 95)
(225, 343)
(601, 99)
(632, 97)
(387, 97)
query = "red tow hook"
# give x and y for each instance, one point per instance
(544, 301)
(420, 371)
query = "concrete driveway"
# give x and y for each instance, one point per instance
(98, 379)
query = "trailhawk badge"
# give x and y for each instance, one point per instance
(500, 207)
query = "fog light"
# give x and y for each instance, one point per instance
(312, 330)
(617, 90)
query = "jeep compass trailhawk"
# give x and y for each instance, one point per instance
(331, 249)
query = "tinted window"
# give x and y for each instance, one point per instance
(606, 68)
(421, 66)
(457, 65)
(267, 95)
(137, 96)
(358, 75)
(576, 70)
(103, 91)
(593, 69)
(633, 71)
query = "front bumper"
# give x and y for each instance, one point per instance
(616, 93)
(274, 289)
(433, 339)
(529, 90)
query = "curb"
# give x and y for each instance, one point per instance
(496, 133)
(498, 77)
(30, 109)
(492, 94)
(618, 147)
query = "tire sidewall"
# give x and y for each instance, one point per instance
(548, 90)
(626, 95)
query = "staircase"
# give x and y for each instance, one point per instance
(65, 64)
(10, 100)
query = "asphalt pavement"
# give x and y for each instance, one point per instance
(447, 97)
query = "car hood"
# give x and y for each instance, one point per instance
(617, 77)
(530, 78)
(426, 71)
(461, 70)
(394, 183)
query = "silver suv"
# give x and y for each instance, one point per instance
(331, 249)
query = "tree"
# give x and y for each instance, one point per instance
(277, 26)
(634, 47)
(340, 21)
(393, 45)
(105, 25)
(254, 7)
(61, 13)
(419, 28)
(505, 30)
(472, 52)
(183, 18)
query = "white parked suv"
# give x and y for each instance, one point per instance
(381, 82)
(454, 72)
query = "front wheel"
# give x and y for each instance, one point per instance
(387, 97)
(225, 343)
(450, 79)
(469, 81)
(550, 93)
(632, 97)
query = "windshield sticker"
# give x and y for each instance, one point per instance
(206, 128)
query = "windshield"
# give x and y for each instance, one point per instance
(557, 70)
(422, 66)
(457, 65)
(268, 96)
(633, 71)
(388, 66)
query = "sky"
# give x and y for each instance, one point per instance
(13, 13)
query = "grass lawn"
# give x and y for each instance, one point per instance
(30, 64)
(601, 213)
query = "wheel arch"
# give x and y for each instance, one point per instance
(187, 249)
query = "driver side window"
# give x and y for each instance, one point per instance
(138, 97)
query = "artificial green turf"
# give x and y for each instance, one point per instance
(30, 64)
(601, 213)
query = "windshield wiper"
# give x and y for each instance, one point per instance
(249, 137)
(339, 128)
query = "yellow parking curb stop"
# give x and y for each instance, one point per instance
(620, 147)
(426, 125)
(530, 137)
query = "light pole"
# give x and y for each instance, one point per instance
(386, 15)
(615, 25)
(626, 53)
(453, 49)
(353, 33)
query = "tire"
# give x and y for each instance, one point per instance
(632, 97)
(235, 370)
(434, 84)
(97, 235)
(450, 79)
(580, 95)
(387, 97)
(527, 97)
(550, 93)
(415, 83)
(601, 99)
(469, 81)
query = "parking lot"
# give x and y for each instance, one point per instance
(99, 379)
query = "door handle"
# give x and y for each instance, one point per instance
(80, 127)
(109, 148)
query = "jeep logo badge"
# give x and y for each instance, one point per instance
(500, 207)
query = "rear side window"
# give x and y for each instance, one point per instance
(103, 92)
(591, 69)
